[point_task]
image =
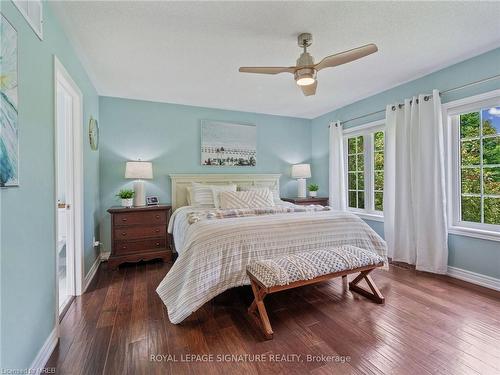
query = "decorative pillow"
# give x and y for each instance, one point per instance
(276, 193)
(202, 195)
(216, 190)
(246, 199)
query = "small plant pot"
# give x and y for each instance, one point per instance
(128, 202)
(313, 194)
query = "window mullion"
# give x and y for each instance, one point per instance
(368, 172)
(481, 187)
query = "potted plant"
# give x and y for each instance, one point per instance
(127, 197)
(313, 190)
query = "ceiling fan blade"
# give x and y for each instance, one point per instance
(309, 89)
(267, 69)
(346, 56)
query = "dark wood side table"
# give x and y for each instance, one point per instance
(139, 233)
(306, 201)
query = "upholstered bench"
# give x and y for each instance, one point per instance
(291, 271)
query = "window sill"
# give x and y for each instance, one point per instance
(367, 216)
(475, 233)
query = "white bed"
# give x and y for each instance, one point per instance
(213, 254)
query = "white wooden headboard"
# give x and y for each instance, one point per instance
(180, 181)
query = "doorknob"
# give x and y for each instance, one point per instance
(68, 206)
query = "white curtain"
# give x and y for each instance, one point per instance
(336, 167)
(415, 220)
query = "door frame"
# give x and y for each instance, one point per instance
(62, 76)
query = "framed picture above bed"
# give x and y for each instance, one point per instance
(228, 144)
(9, 137)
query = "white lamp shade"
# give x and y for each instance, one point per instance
(139, 170)
(301, 171)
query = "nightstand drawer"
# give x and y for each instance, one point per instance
(138, 232)
(134, 218)
(125, 247)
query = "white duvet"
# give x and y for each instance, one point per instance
(214, 253)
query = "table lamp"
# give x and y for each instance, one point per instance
(139, 170)
(301, 172)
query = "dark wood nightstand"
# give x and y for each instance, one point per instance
(306, 201)
(139, 233)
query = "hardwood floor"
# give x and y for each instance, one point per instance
(429, 325)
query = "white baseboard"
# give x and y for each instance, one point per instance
(105, 255)
(48, 347)
(45, 352)
(474, 278)
(90, 275)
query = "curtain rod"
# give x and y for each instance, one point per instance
(427, 97)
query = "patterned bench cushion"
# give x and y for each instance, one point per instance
(311, 264)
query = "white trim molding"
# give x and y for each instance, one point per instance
(62, 76)
(474, 233)
(45, 352)
(92, 272)
(26, 8)
(474, 278)
(368, 127)
(369, 216)
(105, 255)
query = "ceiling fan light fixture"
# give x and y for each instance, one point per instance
(305, 69)
(305, 76)
(305, 81)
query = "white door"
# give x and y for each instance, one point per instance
(69, 189)
(64, 195)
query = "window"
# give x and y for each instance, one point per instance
(356, 174)
(364, 154)
(32, 12)
(480, 166)
(474, 162)
(378, 170)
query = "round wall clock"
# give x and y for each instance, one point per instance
(93, 134)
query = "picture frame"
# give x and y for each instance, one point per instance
(9, 135)
(228, 144)
(152, 201)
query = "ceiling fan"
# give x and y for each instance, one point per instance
(306, 69)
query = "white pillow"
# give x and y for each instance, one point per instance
(246, 199)
(189, 195)
(217, 189)
(202, 195)
(275, 192)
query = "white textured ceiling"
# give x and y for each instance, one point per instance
(189, 52)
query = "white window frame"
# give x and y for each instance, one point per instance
(366, 130)
(24, 8)
(452, 133)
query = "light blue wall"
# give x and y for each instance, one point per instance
(479, 256)
(28, 211)
(169, 135)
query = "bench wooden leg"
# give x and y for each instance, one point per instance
(258, 304)
(375, 293)
(344, 282)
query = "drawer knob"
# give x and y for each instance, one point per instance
(157, 244)
(157, 230)
(157, 216)
(124, 219)
(124, 247)
(124, 233)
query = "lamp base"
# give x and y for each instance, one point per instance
(301, 188)
(139, 195)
